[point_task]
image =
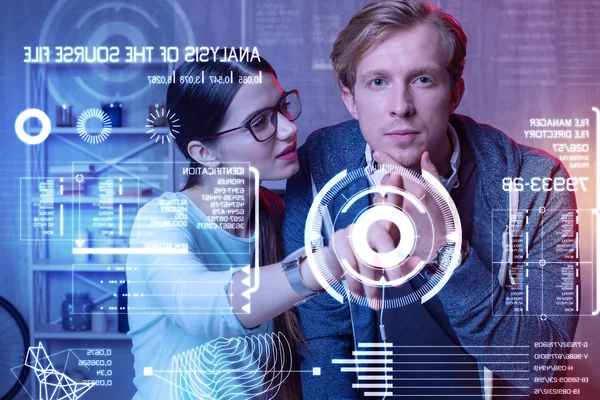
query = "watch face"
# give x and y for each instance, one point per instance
(445, 254)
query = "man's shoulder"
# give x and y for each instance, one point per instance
(482, 136)
(498, 156)
(494, 146)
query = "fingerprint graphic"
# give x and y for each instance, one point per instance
(251, 367)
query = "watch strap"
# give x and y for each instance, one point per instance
(291, 268)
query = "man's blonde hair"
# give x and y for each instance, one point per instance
(380, 18)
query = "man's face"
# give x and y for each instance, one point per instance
(403, 96)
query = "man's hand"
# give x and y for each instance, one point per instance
(429, 226)
(383, 236)
(340, 251)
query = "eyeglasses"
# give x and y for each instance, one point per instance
(263, 124)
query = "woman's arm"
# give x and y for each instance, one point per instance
(274, 295)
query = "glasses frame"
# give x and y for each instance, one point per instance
(277, 108)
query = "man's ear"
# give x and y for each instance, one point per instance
(202, 154)
(349, 101)
(457, 94)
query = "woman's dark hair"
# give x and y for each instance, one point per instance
(200, 109)
(271, 251)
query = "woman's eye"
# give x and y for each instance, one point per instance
(258, 122)
(377, 82)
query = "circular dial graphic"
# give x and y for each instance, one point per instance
(94, 134)
(159, 119)
(424, 216)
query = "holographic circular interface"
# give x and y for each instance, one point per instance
(88, 134)
(415, 218)
(105, 30)
(20, 129)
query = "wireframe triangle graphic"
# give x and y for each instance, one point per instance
(53, 385)
(246, 308)
(79, 242)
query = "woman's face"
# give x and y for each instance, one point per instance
(275, 158)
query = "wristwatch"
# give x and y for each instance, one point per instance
(444, 255)
(291, 268)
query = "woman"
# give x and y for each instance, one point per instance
(178, 302)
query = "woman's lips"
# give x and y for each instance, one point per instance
(402, 136)
(289, 153)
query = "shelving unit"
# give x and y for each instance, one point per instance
(53, 270)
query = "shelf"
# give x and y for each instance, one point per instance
(91, 199)
(47, 331)
(80, 267)
(114, 131)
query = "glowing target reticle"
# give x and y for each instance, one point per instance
(364, 218)
(44, 132)
(92, 137)
(161, 116)
(110, 25)
(387, 260)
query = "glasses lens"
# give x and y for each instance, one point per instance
(290, 106)
(264, 125)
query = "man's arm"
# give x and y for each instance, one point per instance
(467, 297)
(326, 324)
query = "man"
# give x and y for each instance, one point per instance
(399, 64)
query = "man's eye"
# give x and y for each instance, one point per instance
(423, 80)
(377, 82)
